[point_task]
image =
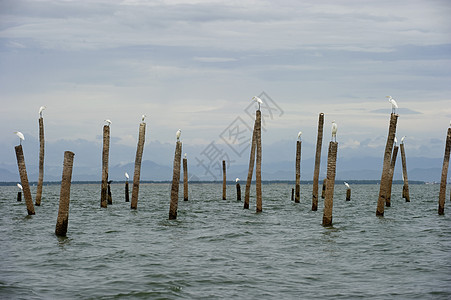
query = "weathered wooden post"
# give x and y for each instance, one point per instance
(238, 190)
(298, 172)
(331, 166)
(175, 182)
(19, 193)
(185, 178)
(292, 194)
(24, 179)
(386, 166)
(105, 157)
(390, 179)
(258, 168)
(224, 180)
(127, 198)
(110, 198)
(41, 161)
(319, 142)
(348, 191)
(405, 187)
(251, 167)
(138, 159)
(63, 211)
(442, 194)
(323, 192)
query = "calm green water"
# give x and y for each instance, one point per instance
(217, 250)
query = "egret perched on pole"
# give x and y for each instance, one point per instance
(20, 135)
(334, 131)
(299, 135)
(396, 141)
(402, 139)
(258, 100)
(126, 175)
(184, 156)
(237, 179)
(108, 122)
(177, 135)
(394, 105)
(347, 185)
(20, 186)
(143, 117)
(40, 110)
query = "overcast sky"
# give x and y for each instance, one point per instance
(196, 65)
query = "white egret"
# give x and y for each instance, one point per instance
(258, 100)
(20, 186)
(184, 156)
(143, 117)
(347, 185)
(40, 110)
(237, 179)
(394, 105)
(334, 131)
(20, 135)
(299, 135)
(402, 139)
(126, 175)
(177, 135)
(108, 122)
(396, 141)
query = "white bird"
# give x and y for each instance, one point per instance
(20, 135)
(108, 121)
(143, 117)
(394, 105)
(20, 186)
(40, 110)
(299, 135)
(334, 131)
(402, 139)
(396, 141)
(126, 175)
(184, 156)
(177, 135)
(347, 185)
(258, 100)
(237, 179)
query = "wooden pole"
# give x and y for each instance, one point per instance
(224, 180)
(175, 182)
(292, 194)
(442, 194)
(390, 179)
(405, 187)
(127, 196)
(238, 192)
(24, 179)
(329, 200)
(41, 162)
(110, 198)
(105, 157)
(298, 172)
(323, 192)
(258, 169)
(386, 166)
(319, 142)
(185, 179)
(19, 196)
(348, 194)
(138, 159)
(63, 211)
(251, 167)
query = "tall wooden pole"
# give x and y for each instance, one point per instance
(41, 162)
(185, 179)
(175, 182)
(258, 168)
(442, 194)
(348, 194)
(127, 196)
(138, 159)
(63, 211)
(298, 172)
(329, 200)
(405, 187)
(24, 179)
(238, 191)
(251, 167)
(224, 180)
(386, 166)
(105, 157)
(319, 142)
(390, 179)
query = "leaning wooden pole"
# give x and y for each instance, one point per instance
(298, 172)
(63, 211)
(105, 157)
(185, 179)
(175, 182)
(390, 179)
(138, 159)
(442, 194)
(319, 142)
(247, 191)
(386, 166)
(41, 162)
(405, 187)
(224, 181)
(331, 167)
(258, 168)
(24, 179)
